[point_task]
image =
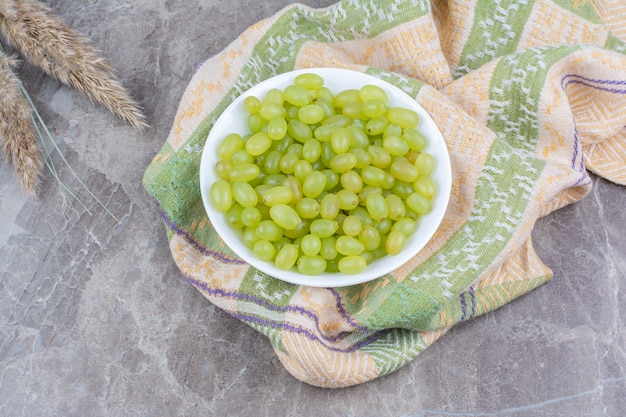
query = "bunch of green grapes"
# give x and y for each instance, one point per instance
(323, 181)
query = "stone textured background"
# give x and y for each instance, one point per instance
(95, 319)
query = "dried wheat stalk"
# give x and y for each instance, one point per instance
(17, 133)
(65, 54)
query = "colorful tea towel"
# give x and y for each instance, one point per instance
(529, 95)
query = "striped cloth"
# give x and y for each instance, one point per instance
(529, 96)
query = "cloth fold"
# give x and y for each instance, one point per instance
(529, 96)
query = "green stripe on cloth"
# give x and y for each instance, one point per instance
(496, 31)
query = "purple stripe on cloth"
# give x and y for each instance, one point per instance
(592, 80)
(463, 306)
(473, 298)
(576, 146)
(202, 249)
(272, 307)
(343, 311)
(307, 333)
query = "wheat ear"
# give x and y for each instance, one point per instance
(17, 132)
(65, 54)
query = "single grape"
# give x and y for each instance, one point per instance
(221, 195)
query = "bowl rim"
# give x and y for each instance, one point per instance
(336, 79)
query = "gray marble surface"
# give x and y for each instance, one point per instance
(95, 319)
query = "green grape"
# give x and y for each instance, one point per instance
(288, 163)
(326, 105)
(231, 143)
(402, 189)
(275, 96)
(251, 216)
(295, 186)
(366, 191)
(383, 226)
(358, 138)
(302, 169)
(222, 169)
(277, 128)
(233, 216)
(285, 216)
(311, 265)
(395, 207)
(350, 180)
(328, 250)
(353, 110)
(403, 170)
(251, 104)
(271, 162)
(311, 150)
(309, 81)
(340, 140)
(347, 199)
(299, 131)
(308, 208)
(329, 206)
(388, 182)
(241, 157)
(274, 179)
(376, 206)
(282, 144)
(325, 93)
(338, 120)
(332, 179)
(286, 257)
(362, 214)
(418, 203)
(310, 244)
(352, 264)
(376, 125)
(425, 164)
(269, 230)
(369, 237)
(323, 133)
(296, 149)
(403, 117)
(425, 186)
(392, 130)
(297, 95)
(256, 122)
(327, 153)
(347, 245)
(395, 242)
(362, 157)
(311, 114)
(264, 250)
(269, 111)
(292, 113)
(299, 231)
(249, 237)
(352, 225)
(323, 227)
(374, 108)
(244, 172)
(281, 243)
(346, 96)
(415, 139)
(379, 157)
(395, 146)
(405, 225)
(373, 176)
(373, 92)
(343, 162)
(277, 195)
(221, 195)
(314, 184)
(244, 194)
(258, 144)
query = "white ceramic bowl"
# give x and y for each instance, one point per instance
(233, 119)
